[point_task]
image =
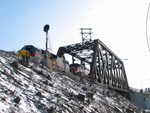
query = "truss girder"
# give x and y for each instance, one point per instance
(105, 67)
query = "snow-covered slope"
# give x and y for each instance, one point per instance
(40, 90)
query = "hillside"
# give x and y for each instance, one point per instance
(41, 90)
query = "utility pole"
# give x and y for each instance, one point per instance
(86, 34)
(46, 28)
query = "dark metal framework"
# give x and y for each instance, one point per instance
(106, 67)
(86, 34)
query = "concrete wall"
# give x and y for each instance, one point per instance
(140, 100)
(148, 103)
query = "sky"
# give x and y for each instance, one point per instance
(119, 24)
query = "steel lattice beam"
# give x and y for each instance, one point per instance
(105, 67)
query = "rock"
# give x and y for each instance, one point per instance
(90, 95)
(51, 110)
(3, 98)
(48, 77)
(45, 82)
(15, 64)
(81, 97)
(39, 94)
(17, 100)
(51, 85)
(129, 110)
(84, 89)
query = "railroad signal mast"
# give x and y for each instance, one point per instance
(46, 28)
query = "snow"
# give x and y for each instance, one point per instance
(42, 90)
(2, 60)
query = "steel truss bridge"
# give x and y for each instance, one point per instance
(106, 68)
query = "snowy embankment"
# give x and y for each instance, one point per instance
(40, 90)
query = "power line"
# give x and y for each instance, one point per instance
(147, 28)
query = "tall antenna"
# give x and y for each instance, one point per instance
(86, 34)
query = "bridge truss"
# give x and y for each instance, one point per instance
(106, 68)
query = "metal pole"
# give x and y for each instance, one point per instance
(46, 41)
(46, 28)
(47, 48)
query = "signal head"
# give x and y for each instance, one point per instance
(46, 28)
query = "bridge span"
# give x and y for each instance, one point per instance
(106, 68)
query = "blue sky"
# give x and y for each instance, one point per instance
(120, 24)
(21, 22)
